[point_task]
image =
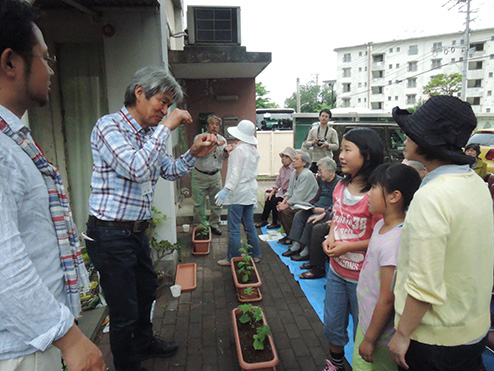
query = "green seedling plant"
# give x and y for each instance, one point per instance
(203, 228)
(253, 316)
(249, 291)
(245, 265)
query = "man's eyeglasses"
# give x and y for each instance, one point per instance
(49, 60)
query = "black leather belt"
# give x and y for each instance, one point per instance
(137, 226)
(207, 172)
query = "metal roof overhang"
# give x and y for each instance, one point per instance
(91, 6)
(217, 62)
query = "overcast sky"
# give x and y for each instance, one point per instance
(302, 35)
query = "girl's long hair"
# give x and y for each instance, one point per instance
(371, 148)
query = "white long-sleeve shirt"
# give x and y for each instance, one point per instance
(241, 177)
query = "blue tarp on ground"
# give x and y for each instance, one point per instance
(313, 290)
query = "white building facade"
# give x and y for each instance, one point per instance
(380, 76)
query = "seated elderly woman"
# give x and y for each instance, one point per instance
(480, 167)
(301, 189)
(278, 192)
(322, 205)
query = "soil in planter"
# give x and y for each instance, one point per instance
(246, 334)
(252, 275)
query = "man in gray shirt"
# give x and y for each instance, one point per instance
(206, 178)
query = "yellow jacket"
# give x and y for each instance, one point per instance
(446, 259)
(480, 168)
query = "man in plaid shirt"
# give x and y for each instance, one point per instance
(129, 152)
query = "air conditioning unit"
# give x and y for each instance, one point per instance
(209, 25)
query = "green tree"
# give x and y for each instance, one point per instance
(443, 84)
(313, 98)
(261, 100)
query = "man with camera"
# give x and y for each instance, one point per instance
(323, 139)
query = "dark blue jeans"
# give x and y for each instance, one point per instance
(425, 357)
(129, 284)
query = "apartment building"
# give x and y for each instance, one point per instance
(380, 76)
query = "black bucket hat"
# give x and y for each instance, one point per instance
(442, 126)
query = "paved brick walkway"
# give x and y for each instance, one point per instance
(200, 320)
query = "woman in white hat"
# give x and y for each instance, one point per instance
(240, 191)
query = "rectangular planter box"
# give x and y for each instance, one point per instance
(200, 247)
(239, 284)
(268, 365)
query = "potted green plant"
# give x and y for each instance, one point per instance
(253, 340)
(246, 276)
(160, 248)
(201, 238)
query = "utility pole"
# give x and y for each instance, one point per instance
(465, 54)
(298, 95)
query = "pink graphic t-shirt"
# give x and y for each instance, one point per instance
(382, 252)
(352, 222)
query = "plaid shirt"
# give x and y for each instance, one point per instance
(126, 158)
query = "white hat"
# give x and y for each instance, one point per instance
(244, 131)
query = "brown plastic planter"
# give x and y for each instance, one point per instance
(200, 247)
(239, 284)
(186, 276)
(268, 365)
(244, 298)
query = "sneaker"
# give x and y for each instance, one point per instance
(331, 367)
(273, 226)
(224, 262)
(159, 349)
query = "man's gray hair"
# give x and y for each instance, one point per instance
(213, 116)
(328, 163)
(154, 81)
(305, 157)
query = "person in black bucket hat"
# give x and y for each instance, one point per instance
(444, 273)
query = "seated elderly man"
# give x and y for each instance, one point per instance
(305, 220)
(301, 189)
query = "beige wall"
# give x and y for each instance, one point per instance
(271, 143)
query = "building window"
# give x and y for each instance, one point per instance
(413, 50)
(461, 59)
(359, 84)
(378, 74)
(488, 110)
(397, 65)
(474, 101)
(390, 82)
(436, 63)
(477, 65)
(346, 102)
(489, 93)
(412, 82)
(397, 49)
(377, 90)
(365, 84)
(346, 87)
(376, 58)
(396, 97)
(491, 74)
(477, 46)
(347, 72)
(437, 47)
(390, 66)
(360, 69)
(397, 81)
(462, 41)
(359, 54)
(347, 57)
(453, 42)
(389, 99)
(474, 83)
(365, 68)
(365, 100)
(360, 100)
(391, 50)
(377, 105)
(452, 60)
(412, 66)
(491, 56)
(411, 99)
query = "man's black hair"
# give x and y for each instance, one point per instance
(326, 111)
(16, 27)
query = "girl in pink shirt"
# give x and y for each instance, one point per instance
(393, 186)
(352, 225)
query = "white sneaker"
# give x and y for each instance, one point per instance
(224, 263)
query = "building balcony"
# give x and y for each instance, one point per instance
(378, 81)
(377, 65)
(475, 92)
(475, 74)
